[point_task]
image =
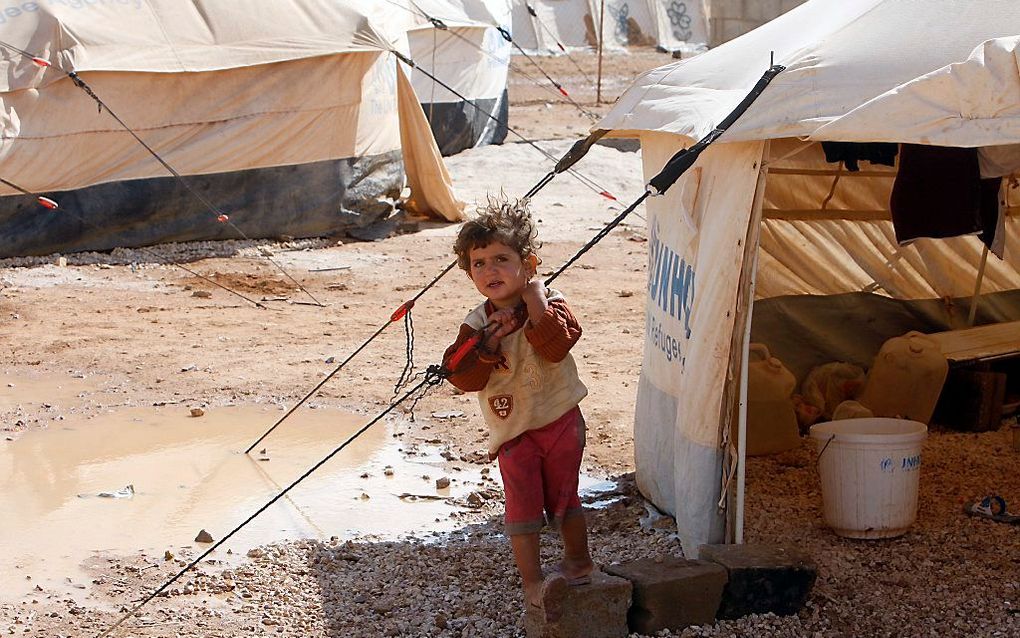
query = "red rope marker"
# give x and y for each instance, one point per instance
(402, 311)
(223, 219)
(46, 202)
(608, 196)
(462, 351)
(40, 62)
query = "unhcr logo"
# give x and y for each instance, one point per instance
(671, 288)
(670, 281)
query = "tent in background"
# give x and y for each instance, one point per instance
(763, 200)
(469, 55)
(283, 115)
(671, 25)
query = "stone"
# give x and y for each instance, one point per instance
(204, 537)
(197, 412)
(442, 483)
(671, 593)
(596, 610)
(762, 578)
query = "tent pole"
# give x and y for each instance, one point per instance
(598, 86)
(755, 232)
(977, 287)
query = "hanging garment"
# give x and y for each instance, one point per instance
(937, 193)
(850, 153)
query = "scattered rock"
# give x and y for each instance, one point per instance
(204, 537)
(442, 483)
(201, 294)
(196, 412)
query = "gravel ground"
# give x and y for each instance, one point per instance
(950, 575)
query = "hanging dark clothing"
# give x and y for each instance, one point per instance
(850, 153)
(938, 193)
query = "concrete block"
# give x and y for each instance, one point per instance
(671, 593)
(596, 610)
(762, 578)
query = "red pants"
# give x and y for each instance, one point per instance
(540, 471)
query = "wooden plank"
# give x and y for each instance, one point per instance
(992, 341)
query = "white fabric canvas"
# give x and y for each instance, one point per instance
(870, 70)
(213, 86)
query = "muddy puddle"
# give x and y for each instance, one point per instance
(36, 390)
(150, 479)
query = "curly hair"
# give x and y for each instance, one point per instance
(500, 220)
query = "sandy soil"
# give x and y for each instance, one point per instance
(141, 335)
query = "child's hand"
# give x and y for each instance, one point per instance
(534, 296)
(503, 321)
(534, 291)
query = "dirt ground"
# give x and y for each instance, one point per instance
(147, 333)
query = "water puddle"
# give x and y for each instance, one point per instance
(151, 478)
(26, 390)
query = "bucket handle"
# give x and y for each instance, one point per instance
(825, 447)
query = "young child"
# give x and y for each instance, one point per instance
(528, 391)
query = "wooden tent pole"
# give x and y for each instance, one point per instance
(754, 232)
(602, 20)
(977, 287)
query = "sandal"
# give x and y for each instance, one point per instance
(583, 579)
(994, 508)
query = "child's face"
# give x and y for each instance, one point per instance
(499, 273)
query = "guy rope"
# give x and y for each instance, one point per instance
(220, 215)
(435, 374)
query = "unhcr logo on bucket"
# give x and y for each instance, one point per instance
(671, 288)
(906, 464)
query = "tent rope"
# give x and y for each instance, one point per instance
(587, 181)
(436, 374)
(221, 216)
(433, 378)
(560, 93)
(571, 157)
(559, 44)
(51, 204)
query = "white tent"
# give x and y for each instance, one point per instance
(289, 116)
(466, 53)
(541, 26)
(763, 197)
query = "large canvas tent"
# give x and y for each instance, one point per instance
(542, 26)
(762, 215)
(290, 116)
(464, 52)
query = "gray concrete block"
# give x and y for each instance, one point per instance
(762, 578)
(671, 593)
(596, 610)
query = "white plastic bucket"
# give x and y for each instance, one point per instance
(870, 470)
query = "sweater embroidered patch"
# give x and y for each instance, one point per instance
(502, 405)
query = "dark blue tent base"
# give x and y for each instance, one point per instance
(459, 125)
(306, 200)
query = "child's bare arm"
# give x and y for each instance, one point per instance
(555, 333)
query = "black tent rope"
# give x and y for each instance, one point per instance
(517, 69)
(435, 374)
(434, 377)
(571, 157)
(587, 181)
(51, 204)
(221, 216)
(559, 44)
(397, 315)
(506, 36)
